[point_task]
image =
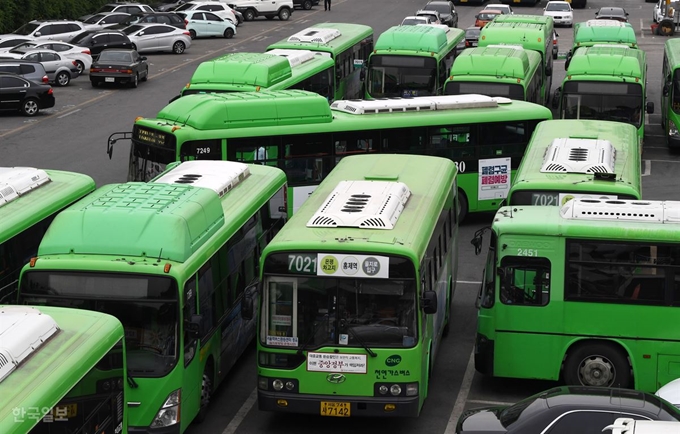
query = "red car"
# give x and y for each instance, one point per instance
(486, 16)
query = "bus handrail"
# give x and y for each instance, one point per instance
(113, 138)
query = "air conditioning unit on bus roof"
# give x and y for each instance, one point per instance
(570, 155)
(219, 176)
(420, 103)
(17, 181)
(362, 204)
(294, 57)
(23, 330)
(651, 211)
(444, 27)
(315, 34)
(604, 23)
(515, 46)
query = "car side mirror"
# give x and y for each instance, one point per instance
(36, 34)
(666, 89)
(429, 302)
(650, 107)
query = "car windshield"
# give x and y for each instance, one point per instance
(94, 19)
(561, 7)
(525, 407)
(115, 56)
(22, 47)
(80, 38)
(472, 33)
(132, 29)
(26, 29)
(413, 21)
(442, 8)
(486, 16)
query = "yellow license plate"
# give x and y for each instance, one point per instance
(516, 1)
(463, 1)
(65, 411)
(337, 409)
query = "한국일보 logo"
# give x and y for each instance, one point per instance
(393, 360)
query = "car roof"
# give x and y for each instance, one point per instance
(490, 11)
(611, 9)
(603, 397)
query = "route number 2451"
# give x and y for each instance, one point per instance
(527, 252)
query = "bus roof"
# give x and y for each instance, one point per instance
(595, 222)
(326, 37)
(422, 175)
(215, 112)
(604, 60)
(135, 219)
(426, 39)
(672, 51)
(28, 195)
(530, 35)
(543, 20)
(593, 32)
(45, 377)
(496, 61)
(623, 138)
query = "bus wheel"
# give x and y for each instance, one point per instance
(462, 206)
(597, 364)
(206, 392)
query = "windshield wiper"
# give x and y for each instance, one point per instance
(350, 330)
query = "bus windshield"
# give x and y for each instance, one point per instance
(145, 305)
(402, 76)
(620, 102)
(512, 91)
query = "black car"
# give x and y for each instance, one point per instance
(25, 96)
(169, 18)
(567, 410)
(98, 40)
(119, 67)
(447, 12)
(472, 36)
(612, 13)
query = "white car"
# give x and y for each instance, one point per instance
(7, 42)
(431, 14)
(413, 20)
(158, 37)
(264, 8)
(102, 20)
(60, 70)
(54, 30)
(560, 11)
(671, 392)
(506, 9)
(81, 55)
(220, 9)
(203, 23)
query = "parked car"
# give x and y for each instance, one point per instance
(561, 13)
(25, 96)
(252, 9)
(505, 9)
(158, 37)
(169, 18)
(556, 47)
(413, 20)
(671, 392)
(98, 40)
(54, 30)
(567, 409)
(486, 16)
(119, 67)
(433, 16)
(103, 20)
(625, 425)
(168, 5)
(81, 55)
(305, 4)
(201, 24)
(128, 8)
(472, 36)
(33, 71)
(7, 42)
(612, 13)
(218, 8)
(447, 12)
(60, 70)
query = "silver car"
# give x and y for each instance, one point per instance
(158, 37)
(60, 70)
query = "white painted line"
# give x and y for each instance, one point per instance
(469, 282)
(68, 114)
(465, 386)
(642, 34)
(483, 402)
(647, 168)
(241, 413)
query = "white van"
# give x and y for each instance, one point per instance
(625, 425)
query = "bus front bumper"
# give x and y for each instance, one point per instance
(484, 349)
(359, 406)
(673, 141)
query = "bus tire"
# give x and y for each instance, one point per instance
(206, 393)
(597, 363)
(463, 206)
(666, 27)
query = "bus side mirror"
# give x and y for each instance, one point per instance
(666, 89)
(362, 74)
(248, 303)
(548, 71)
(429, 302)
(194, 326)
(556, 98)
(650, 107)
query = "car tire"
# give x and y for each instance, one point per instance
(192, 33)
(146, 75)
(135, 81)
(178, 47)
(94, 83)
(249, 15)
(555, 56)
(229, 33)
(30, 107)
(284, 14)
(81, 67)
(597, 364)
(62, 79)
(307, 5)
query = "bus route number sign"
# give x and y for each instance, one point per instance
(302, 263)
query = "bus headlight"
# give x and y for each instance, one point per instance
(169, 412)
(383, 389)
(672, 129)
(395, 389)
(277, 385)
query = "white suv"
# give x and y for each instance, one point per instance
(220, 9)
(53, 30)
(263, 8)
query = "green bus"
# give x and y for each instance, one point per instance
(606, 82)
(597, 32)
(277, 69)
(356, 290)
(171, 260)
(349, 45)
(670, 94)
(497, 70)
(410, 61)
(574, 158)
(533, 32)
(299, 133)
(587, 292)
(63, 371)
(29, 200)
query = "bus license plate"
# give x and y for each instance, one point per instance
(337, 409)
(67, 410)
(109, 79)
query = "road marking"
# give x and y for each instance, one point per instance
(642, 34)
(241, 413)
(647, 168)
(483, 402)
(68, 114)
(465, 386)
(469, 282)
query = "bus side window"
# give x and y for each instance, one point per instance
(206, 298)
(525, 280)
(188, 311)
